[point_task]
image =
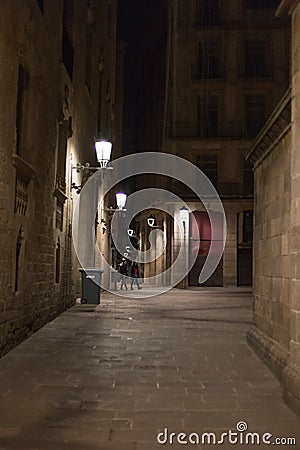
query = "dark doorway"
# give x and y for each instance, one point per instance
(201, 228)
(244, 248)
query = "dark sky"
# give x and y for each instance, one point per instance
(137, 27)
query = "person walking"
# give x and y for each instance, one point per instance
(134, 272)
(123, 269)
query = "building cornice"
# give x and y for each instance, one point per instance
(277, 126)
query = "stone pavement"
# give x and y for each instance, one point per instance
(112, 377)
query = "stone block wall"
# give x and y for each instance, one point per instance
(272, 262)
(292, 371)
(275, 334)
(49, 118)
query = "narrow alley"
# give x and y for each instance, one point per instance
(115, 375)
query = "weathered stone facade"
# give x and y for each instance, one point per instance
(275, 154)
(52, 57)
(219, 94)
(271, 156)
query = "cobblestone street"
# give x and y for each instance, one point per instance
(112, 377)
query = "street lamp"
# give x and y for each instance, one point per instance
(151, 223)
(103, 150)
(121, 202)
(184, 217)
(121, 199)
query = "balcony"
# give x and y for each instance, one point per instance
(228, 129)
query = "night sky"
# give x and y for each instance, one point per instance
(136, 25)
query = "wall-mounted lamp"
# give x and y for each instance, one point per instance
(151, 223)
(132, 233)
(121, 199)
(121, 202)
(103, 151)
(184, 217)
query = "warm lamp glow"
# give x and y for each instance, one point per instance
(121, 200)
(103, 150)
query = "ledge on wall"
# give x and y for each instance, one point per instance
(276, 127)
(274, 356)
(23, 167)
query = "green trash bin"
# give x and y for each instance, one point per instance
(90, 282)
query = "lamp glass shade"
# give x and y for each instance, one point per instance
(184, 214)
(151, 221)
(103, 150)
(121, 200)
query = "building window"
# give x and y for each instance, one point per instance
(67, 37)
(21, 195)
(41, 5)
(208, 13)
(255, 59)
(208, 116)
(209, 60)
(59, 214)
(20, 110)
(88, 55)
(209, 166)
(64, 133)
(254, 114)
(245, 228)
(100, 91)
(20, 239)
(262, 4)
(57, 262)
(248, 178)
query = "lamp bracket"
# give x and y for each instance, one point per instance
(115, 209)
(86, 167)
(77, 187)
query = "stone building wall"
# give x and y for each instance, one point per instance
(272, 261)
(291, 378)
(275, 154)
(273, 264)
(48, 121)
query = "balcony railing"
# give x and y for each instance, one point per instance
(228, 129)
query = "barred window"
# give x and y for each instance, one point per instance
(208, 116)
(254, 113)
(209, 166)
(255, 58)
(209, 60)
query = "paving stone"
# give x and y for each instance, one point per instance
(94, 380)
